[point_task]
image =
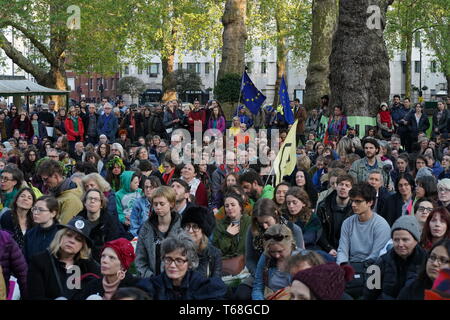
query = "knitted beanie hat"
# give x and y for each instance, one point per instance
(408, 223)
(124, 250)
(200, 216)
(326, 281)
(424, 171)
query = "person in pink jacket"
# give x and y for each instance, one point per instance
(217, 120)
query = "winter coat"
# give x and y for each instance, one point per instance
(169, 117)
(138, 131)
(125, 198)
(25, 127)
(199, 115)
(231, 246)
(300, 115)
(149, 238)
(95, 287)
(69, 196)
(396, 273)
(37, 239)
(7, 223)
(194, 286)
(73, 135)
(106, 230)
(311, 231)
(441, 125)
(42, 277)
(139, 214)
(13, 262)
(331, 219)
(413, 127)
(210, 262)
(416, 289)
(392, 209)
(108, 125)
(157, 125)
(86, 120)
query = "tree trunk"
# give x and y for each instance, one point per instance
(234, 37)
(359, 62)
(281, 62)
(324, 15)
(169, 85)
(408, 65)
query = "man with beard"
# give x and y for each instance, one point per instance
(182, 200)
(133, 122)
(332, 212)
(254, 187)
(198, 114)
(361, 168)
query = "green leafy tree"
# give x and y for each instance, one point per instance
(132, 86)
(228, 88)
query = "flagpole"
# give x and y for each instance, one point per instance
(240, 91)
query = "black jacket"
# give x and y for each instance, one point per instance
(392, 208)
(42, 281)
(413, 127)
(396, 273)
(106, 230)
(37, 239)
(138, 131)
(210, 262)
(331, 218)
(416, 289)
(442, 124)
(383, 195)
(86, 119)
(95, 286)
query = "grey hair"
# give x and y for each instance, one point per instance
(181, 241)
(377, 171)
(119, 147)
(101, 182)
(444, 183)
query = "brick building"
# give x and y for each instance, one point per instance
(92, 87)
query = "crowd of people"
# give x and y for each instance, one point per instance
(100, 192)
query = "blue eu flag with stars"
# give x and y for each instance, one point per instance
(285, 102)
(253, 98)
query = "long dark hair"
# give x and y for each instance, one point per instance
(423, 276)
(308, 187)
(15, 218)
(427, 237)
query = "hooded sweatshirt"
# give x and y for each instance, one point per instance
(125, 198)
(68, 194)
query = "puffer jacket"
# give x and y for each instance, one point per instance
(396, 273)
(13, 262)
(194, 286)
(149, 238)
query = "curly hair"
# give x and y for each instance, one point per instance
(305, 214)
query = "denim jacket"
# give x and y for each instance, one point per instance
(139, 214)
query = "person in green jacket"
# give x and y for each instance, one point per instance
(253, 186)
(127, 195)
(230, 233)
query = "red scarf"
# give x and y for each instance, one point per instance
(386, 118)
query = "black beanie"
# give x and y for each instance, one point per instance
(200, 216)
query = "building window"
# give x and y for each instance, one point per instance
(417, 66)
(99, 84)
(249, 67)
(180, 66)
(417, 40)
(433, 66)
(127, 70)
(153, 70)
(404, 67)
(207, 66)
(91, 84)
(139, 70)
(264, 67)
(194, 67)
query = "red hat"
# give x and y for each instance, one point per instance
(326, 281)
(124, 250)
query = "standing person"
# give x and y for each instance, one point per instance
(157, 124)
(217, 120)
(49, 271)
(46, 118)
(271, 272)
(199, 224)
(133, 122)
(20, 218)
(45, 216)
(384, 121)
(417, 122)
(436, 227)
(116, 258)
(179, 280)
(300, 115)
(108, 124)
(23, 124)
(104, 226)
(332, 212)
(337, 125)
(440, 121)
(198, 114)
(173, 117)
(74, 128)
(60, 119)
(12, 262)
(63, 189)
(163, 222)
(90, 121)
(402, 263)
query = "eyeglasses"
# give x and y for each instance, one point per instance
(3, 179)
(443, 190)
(148, 187)
(193, 226)
(276, 237)
(178, 261)
(439, 260)
(90, 199)
(38, 210)
(424, 209)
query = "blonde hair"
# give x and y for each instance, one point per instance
(103, 185)
(279, 229)
(55, 246)
(165, 192)
(303, 163)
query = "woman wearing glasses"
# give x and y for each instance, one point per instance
(163, 222)
(436, 228)
(199, 224)
(422, 209)
(438, 259)
(104, 226)
(179, 281)
(271, 272)
(443, 187)
(20, 218)
(45, 216)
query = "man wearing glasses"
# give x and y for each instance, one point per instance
(11, 180)
(108, 123)
(64, 190)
